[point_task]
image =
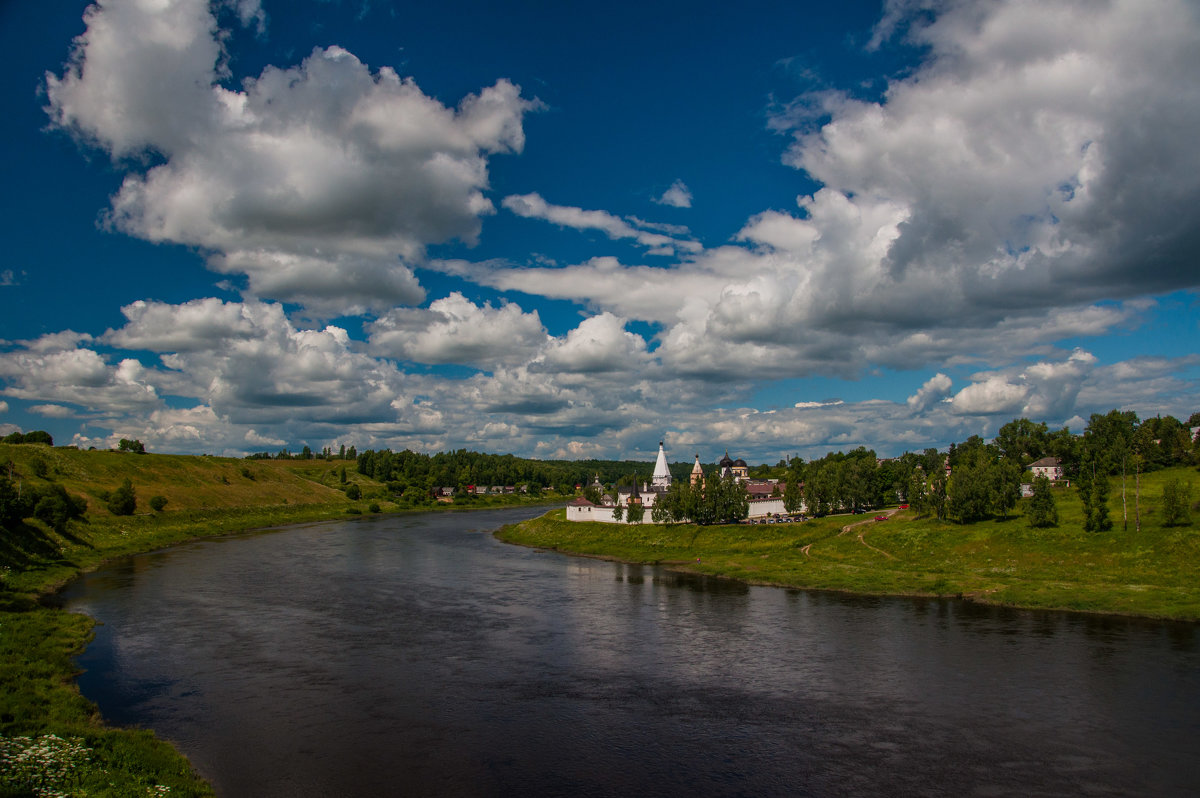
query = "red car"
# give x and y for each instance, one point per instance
(881, 518)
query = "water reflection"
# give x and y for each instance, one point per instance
(415, 655)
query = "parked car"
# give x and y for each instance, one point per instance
(881, 518)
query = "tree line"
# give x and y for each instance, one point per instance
(976, 479)
(407, 471)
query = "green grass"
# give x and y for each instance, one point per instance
(1153, 573)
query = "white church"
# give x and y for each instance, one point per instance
(761, 504)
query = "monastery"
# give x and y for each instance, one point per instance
(766, 496)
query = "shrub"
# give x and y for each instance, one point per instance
(38, 466)
(55, 507)
(122, 501)
(353, 492)
(373, 507)
(157, 503)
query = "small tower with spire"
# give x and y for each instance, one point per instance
(661, 480)
(697, 473)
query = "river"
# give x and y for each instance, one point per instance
(417, 655)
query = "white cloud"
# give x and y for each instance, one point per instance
(1032, 166)
(455, 330)
(255, 439)
(76, 376)
(197, 325)
(321, 183)
(935, 389)
(532, 206)
(677, 196)
(600, 343)
(992, 396)
(52, 411)
(812, 405)
(1042, 390)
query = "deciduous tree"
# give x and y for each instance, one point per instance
(1042, 509)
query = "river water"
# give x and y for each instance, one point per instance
(419, 656)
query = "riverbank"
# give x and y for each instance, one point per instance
(50, 736)
(1154, 573)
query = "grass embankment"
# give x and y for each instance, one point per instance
(1153, 573)
(52, 740)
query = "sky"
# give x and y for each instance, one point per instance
(570, 231)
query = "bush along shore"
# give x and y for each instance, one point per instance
(1154, 572)
(81, 509)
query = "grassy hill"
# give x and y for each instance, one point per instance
(1154, 572)
(204, 496)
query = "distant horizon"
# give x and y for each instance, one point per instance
(569, 232)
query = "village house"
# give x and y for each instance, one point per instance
(1048, 467)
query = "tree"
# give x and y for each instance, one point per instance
(1005, 487)
(1142, 441)
(13, 506)
(1176, 499)
(123, 501)
(135, 446)
(967, 494)
(917, 493)
(1042, 510)
(157, 503)
(1023, 441)
(55, 507)
(34, 436)
(793, 496)
(1107, 440)
(1093, 492)
(936, 498)
(635, 512)
(617, 512)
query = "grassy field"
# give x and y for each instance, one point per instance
(52, 741)
(1153, 573)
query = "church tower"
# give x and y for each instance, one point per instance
(697, 474)
(661, 480)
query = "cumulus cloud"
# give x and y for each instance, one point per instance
(935, 389)
(456, 330)
(677, 196)
(1043, 390)
(532, 206)
(600, 343)
(321, 183)
(992, 396)
(1033, 165)
(80, 377)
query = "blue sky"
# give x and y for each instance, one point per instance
(564, 231)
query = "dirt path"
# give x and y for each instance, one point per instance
(861, 539)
